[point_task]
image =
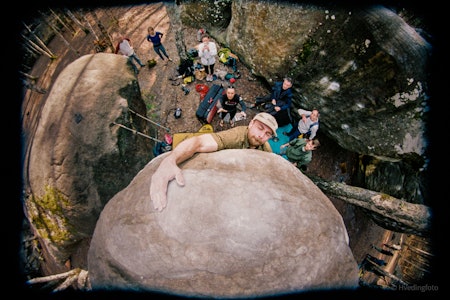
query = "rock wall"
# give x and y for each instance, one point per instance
(364, 67)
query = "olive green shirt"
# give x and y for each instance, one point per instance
(236, 138)
(295, 152)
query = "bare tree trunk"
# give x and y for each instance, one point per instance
(90, 26)
(393, 213)
(41, 43)
(104, 32)
(386, 273)
(76, 21)
(31, 45)
(60, 35)
(177, 26)
(69, 28)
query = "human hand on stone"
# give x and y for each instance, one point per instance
(166, 172)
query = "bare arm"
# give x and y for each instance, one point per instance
(169, 170)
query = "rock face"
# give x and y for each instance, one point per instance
(226, 233)
(365, 67)
(79, 158)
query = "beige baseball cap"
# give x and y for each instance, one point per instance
(268, 120)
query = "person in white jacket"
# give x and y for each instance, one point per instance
(307, 126)
(207, 51)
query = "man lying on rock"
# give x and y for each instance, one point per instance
(254, 136)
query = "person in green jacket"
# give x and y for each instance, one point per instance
(299, 151)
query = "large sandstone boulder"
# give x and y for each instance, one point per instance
(247, 223)
(79, 157)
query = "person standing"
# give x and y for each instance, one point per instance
(207, 52)
(125, 48)
(200, 34)
(155, 38)
(307, 126)
(278, 102)
(228, 105)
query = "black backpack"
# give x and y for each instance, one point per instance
(186, 67)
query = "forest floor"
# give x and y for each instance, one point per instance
(330, 161)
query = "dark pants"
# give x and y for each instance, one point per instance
(294, 133)
(232, 113)
(209, 69)
(231, 61)
(160, 49)
(262, 100)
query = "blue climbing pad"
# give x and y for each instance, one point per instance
(282, 139)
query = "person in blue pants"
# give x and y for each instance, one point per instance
(155, 37)
(125, 48)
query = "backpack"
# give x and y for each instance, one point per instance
(311, 126)
(192, 53)
(160, 148)
(223, 54)
(307, 134)
(186, 67)
(151, 63)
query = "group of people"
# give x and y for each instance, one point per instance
(302, 136)
(125, 48)
(255, 135)
(207, 50)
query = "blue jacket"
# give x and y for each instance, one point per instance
(156, 39)
(283, 97)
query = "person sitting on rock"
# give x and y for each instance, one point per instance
(306, 127)
(228, 105)
(299, 151)
(278, 102)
